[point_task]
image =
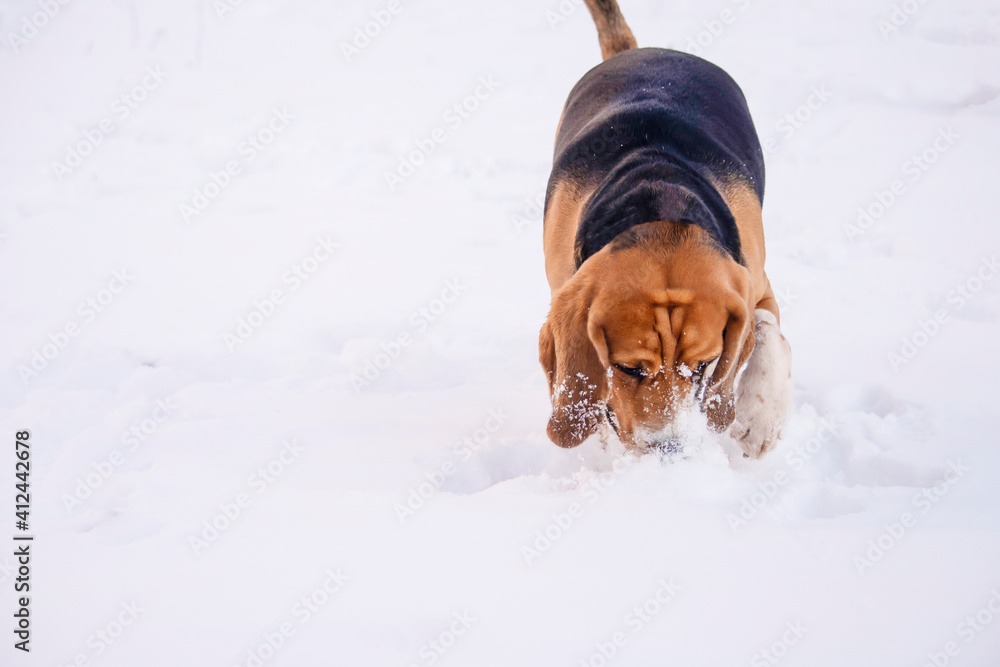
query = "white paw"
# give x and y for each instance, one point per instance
(764, 391)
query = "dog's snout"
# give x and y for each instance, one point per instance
(667, 445)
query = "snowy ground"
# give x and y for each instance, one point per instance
(187, 167)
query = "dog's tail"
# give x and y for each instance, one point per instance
(612, 31)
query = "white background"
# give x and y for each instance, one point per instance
(465, 215)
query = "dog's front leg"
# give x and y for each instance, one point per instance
(764, 392)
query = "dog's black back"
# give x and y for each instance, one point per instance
(657, 131)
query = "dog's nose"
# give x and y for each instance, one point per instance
(667, 445)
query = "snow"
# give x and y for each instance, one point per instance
(437, 287)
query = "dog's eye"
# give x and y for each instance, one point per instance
(632, 371)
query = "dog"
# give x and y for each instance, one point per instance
(654, 253)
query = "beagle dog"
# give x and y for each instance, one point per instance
(654, 252)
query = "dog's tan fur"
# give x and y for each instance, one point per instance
(562, 217)
(663, 297)
(672, 299)
(614, 34)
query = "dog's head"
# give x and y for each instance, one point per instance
(657, 320)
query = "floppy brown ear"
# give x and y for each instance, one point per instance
(737, 346)
(577, 381)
